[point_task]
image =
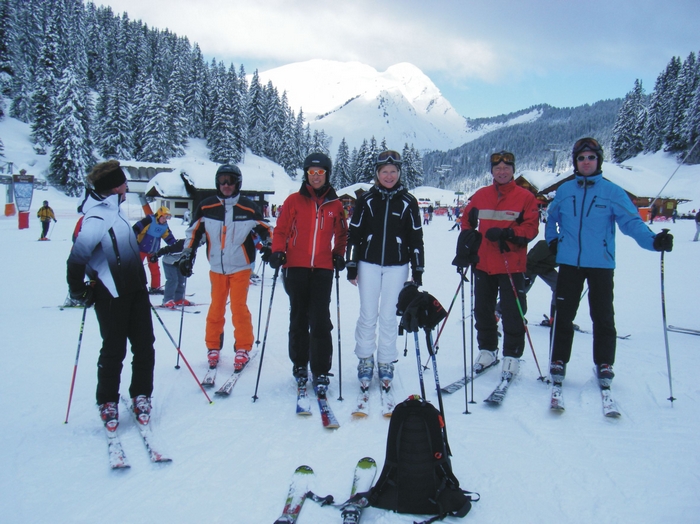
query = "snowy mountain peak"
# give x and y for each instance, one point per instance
(357, 102)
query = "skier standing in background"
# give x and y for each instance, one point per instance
(149, 230)
(45, 215)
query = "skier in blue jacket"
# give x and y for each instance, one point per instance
(581, 232)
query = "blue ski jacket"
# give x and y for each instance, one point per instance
(582, 218)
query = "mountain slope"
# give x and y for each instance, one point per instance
(355, 101)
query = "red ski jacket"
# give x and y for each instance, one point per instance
(504, 206)
(307, 225)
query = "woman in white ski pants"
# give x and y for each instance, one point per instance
(379, 288)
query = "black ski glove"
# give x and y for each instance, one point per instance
(338, 262)
(153, 258)
(186, 263)
(265, 253)
(352, 272)
(467, 248)
(495, 234)
(663, 241)
(84, 294)
(277, 259)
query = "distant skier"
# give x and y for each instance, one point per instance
(45, 215)
(149, 231)
(581, 232)
(697, 227)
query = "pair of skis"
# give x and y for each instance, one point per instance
(365, 471)
(225, 390)
(610, 408)
(303, 408)
(387, 398)
(117, 456)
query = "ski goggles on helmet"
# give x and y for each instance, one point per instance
(587, 144)
(388, 157)
(503, 156)
(316, 171)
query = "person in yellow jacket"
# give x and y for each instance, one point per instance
(45, 214)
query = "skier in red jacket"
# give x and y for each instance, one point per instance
(507, 216)
(310, 220)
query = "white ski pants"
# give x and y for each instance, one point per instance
(379, 291)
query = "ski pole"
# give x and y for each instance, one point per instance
(180, 353)
(262, 292)
(340, 357)
(522, 315)
(663, 314)
(182, 319)
(429, 342)
(420, 366)
(75, 366)
(471, 342)
(437, 339)
(267, 325)
(464, 345)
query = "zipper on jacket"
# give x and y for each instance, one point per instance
(580, 225)
(591, 206)
(313, 244)
(386, 220)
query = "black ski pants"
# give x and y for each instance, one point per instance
(600, 303)
(486, 293)
(310, 339)
(126, 317)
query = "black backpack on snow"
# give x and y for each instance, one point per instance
(417, 476)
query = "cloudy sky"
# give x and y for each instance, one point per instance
(488, 57)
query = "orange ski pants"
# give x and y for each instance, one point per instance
(235, 287)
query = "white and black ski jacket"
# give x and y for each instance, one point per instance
(385, 229)
(105, 249)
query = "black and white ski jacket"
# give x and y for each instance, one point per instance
(385, 229)
(105, 249)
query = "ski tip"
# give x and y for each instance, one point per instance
(304, 470)
(359, 414)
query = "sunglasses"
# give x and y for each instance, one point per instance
(227, 182)
(581, 158)
(503, 156)
(388, 156)
(316, 171)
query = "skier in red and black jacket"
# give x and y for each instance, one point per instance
(497, 224)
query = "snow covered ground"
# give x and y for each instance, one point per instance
(233, 459)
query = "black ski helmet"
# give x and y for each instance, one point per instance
(234, 172)
(318, 160)
(588, 144)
